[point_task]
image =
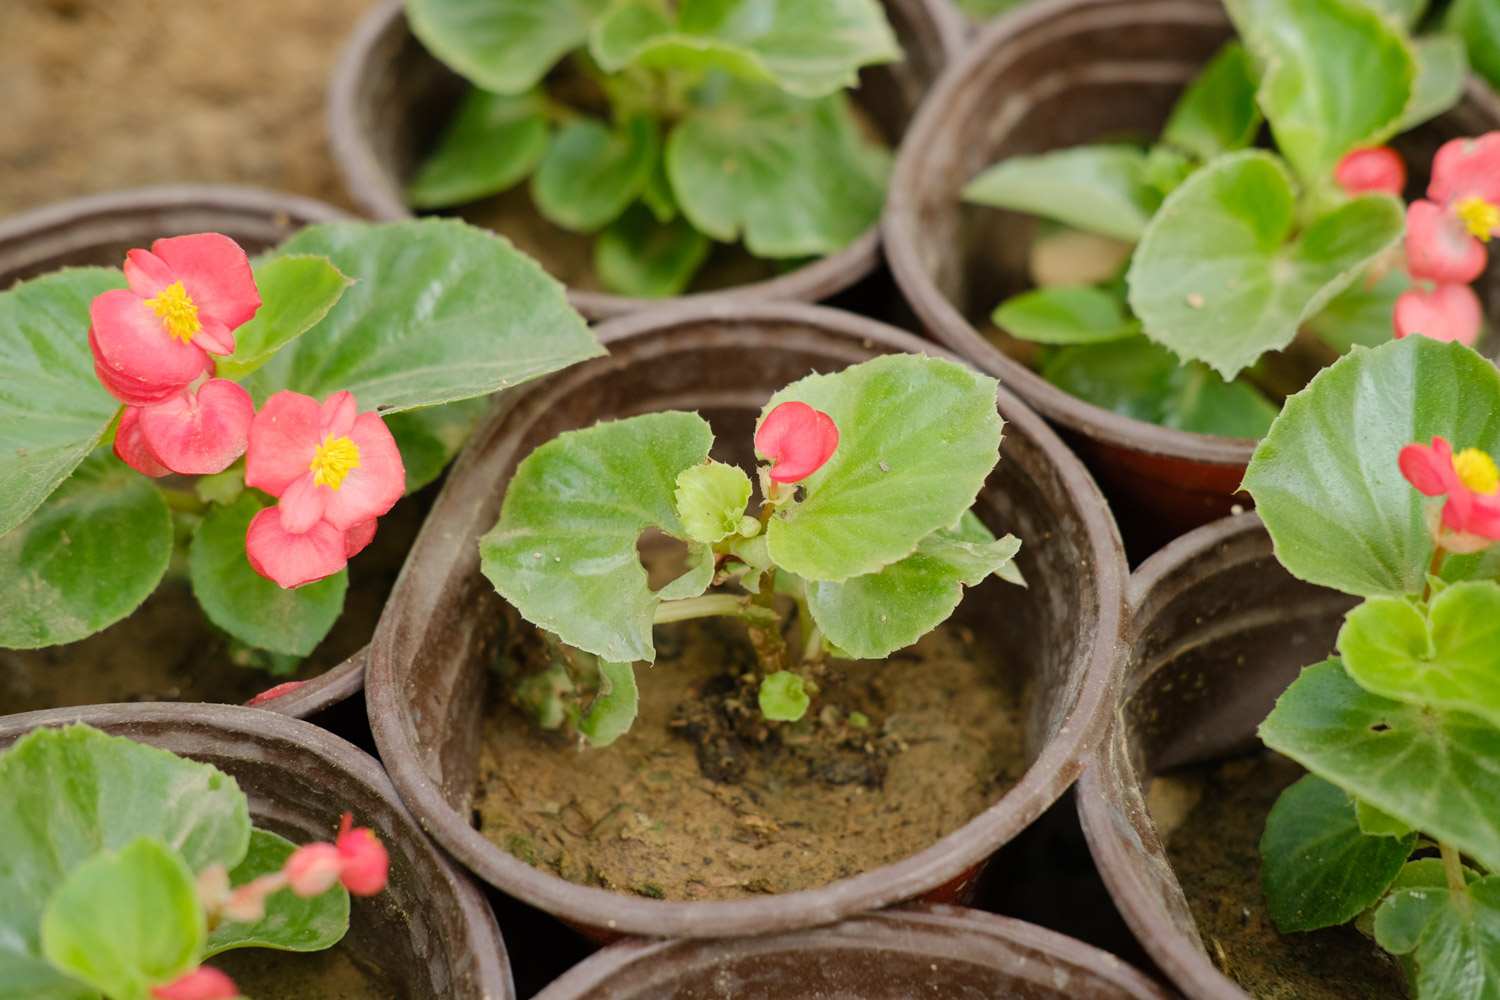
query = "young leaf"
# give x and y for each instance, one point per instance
(1318, 868)
(711, 500)
(53, 410)
(917, 438)
(1477, 22)
(614, 707)
(641, 256)
(1456, 940)
(1339, 511)
(1214, 277)
(564, 549)
(123, 922)
(493, 143)
(1361, 313)
(1066, 314)
(1441, 66)
(1217, 112)
(291, 923)
(795, 175)
(783, 697)
(1099, 189)
(296, 293)
(506, 46)
(591, 173)
(429, 437)
(247, 605)
(1431, 769)
(1379, 824)
(86, 558)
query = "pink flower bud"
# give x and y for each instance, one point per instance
(1372, 170)
(203, 983)
(366, 861)
(797, 440)
(313, 868)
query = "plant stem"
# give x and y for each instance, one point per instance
(1434, 568)
(698, 607)
(1453, 866)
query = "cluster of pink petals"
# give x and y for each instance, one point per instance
(1470, 518)
(797, 440)
(357, 859)
(203, 983)
(300, 452)
(1379, 169)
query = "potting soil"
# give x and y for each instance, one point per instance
(334, 974)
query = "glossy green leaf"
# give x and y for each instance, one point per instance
(711, 500)
(1216, 280)
(290, 923)
(917, 438)
(1433, 770)
(641, 34)
(878, 613)
(564, 549)
(1407, 12)
(431, 436)
(614, 707)
(591, 172)
(1066, 314)
(440, 311)
(1318, 868)
(493, 143)
(245, 604)
(795, 176)
(1455, 938)
(86, 558)
(1379, 824)
(296, 293)
(1360, 314)
(1099, 189)
(505, 46)
(1326, 480)
(783, 697)
(1217, 113)
(1477, 22)
(124, 922)
(1441, 65)
(53, 411)
(641, 256)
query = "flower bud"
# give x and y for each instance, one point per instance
(1365, 170)
(203, 983)
(366, 861)
(313, 868)
(797, 439)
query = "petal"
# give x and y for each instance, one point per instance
(214, 337)
(1439, 246)
(131, 448)
(129, 338)
(1466, 168)
(292, 560)
(1447, 313)
(283, 442)
(272, 693)
(203, 983)
(134, 391)
(1484, 518)
(302, 505)
(376, 484)
(200, 433)
(1426, 469)
(336, 415)
(146, 273)
(797, 439)
(215, 272)
(1379, 169)
(358, 537)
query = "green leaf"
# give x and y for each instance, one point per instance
(1432, 770)
(1360, 314)
(1214, 277)
(296, 293)
(244, 603)
(783, 697)
(1379, 824)
(640, 256)
(431, 436)
(53, 411)
(123, 922)
(591, 172)
(71, 793)
(1337, 76)
(614, 707)
(1478, 23)
(1339, 511)
(86, 558)
(440, 311)
(1449, 658)
(917, 438)
(796, 176)
(1455, 936)
(290, 923)
(1441, 65)
(506, 46)
(1099, 189)
(711, 500)
(1217, 113)
(1407, 12)
(1066, 314)
(1318, 868)
(493, 142)
(878, 613)
(564, 549)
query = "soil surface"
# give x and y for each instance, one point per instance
(1215, 852)
(800, 805)
(334, 974)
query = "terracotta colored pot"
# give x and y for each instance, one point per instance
(429, 933)
(429, 659)
(389, 101)
(1221, 629)
(916, 951)
(1048, 76)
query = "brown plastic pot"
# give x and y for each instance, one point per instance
(1221, 630)
(1049, 76)
(429, 933)
(915, 951)
(389, 101)
(429, 659)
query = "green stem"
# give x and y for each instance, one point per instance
(183, 501)
(699, 607)
(1453, 867)
(1434, 568)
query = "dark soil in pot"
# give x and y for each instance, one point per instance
(334, 974)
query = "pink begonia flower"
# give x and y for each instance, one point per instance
(1438, 246)
(193, 432)
(797, 440)
(203, 983)
(1444, 234)
(366, 861)
(1448, 312)
(1471, 483)
(1378, 169)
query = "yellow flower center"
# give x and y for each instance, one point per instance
(1476, 470)
(175, 307)
(334, 459)
(1480, 216)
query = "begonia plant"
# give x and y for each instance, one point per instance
(1379, 480)
(125, 867)
(864, 530)
(280, 405)
(662, 127)
(1239, 251)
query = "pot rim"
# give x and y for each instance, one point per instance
(371, 187)
(1054, 769)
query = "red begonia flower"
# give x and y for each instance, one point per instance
(797, 440)
(313, 868)
(293, 560)
(1448, 312)
(1467, 168)
(1445, 236)
(1439, 246)
(366, 862)
(1378, 169)
(203, 983)
(194, 432)
(1469, 480)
